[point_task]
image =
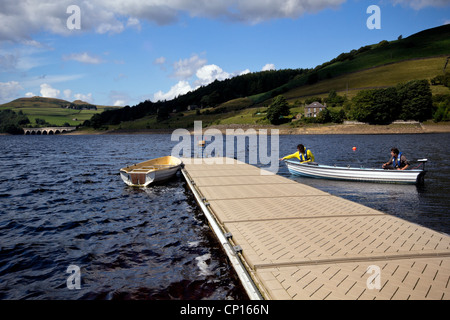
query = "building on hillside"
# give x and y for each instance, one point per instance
(192, 107)
(313, 109)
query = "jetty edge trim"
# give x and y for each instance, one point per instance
(246, 280)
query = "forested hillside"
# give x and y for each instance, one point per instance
(262, 87)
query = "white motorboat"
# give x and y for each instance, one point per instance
(315, 170)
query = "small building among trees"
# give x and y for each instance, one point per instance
(192, 107)
(313, 109)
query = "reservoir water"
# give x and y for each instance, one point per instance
(62, 203)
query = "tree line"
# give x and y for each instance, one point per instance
(406, 101)
(412, 100)
(11, 122)
(211, 95)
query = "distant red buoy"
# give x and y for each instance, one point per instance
(354, 148)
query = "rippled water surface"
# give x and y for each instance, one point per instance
(62, 203)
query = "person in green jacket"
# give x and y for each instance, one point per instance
(304, 155)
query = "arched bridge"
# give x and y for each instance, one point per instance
(48, 130)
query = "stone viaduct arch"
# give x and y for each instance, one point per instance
(48, 130)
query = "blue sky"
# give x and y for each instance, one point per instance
(128, 51)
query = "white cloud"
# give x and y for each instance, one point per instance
(256, 11)
(160, 60)
(182, 87)
(19, 19)
(109, 28)
(186, 68)
(83, 57)
(83, 97)
(29, 94)
(9, 91)
(269, 66)
(118, 98)
(119, 103)
(420, 4)
(67, 94)
(210, 73)
(48, 92)
(134, 23)
(33, 43)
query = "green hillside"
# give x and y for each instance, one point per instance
(421, 56)
(54, 112)
(378, 77)
(429, 43)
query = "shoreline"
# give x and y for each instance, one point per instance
(351, 129)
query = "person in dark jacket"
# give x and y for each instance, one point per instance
(397, 161)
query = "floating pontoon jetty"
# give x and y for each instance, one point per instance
(288, 241)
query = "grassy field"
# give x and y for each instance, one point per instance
(50, 110)
(423, 45)
(384, 76)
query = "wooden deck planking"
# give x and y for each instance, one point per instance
(302, 243)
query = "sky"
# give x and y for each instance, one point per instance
(123, 52)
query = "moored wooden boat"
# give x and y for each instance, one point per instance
(315, 170)
(152, 171)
